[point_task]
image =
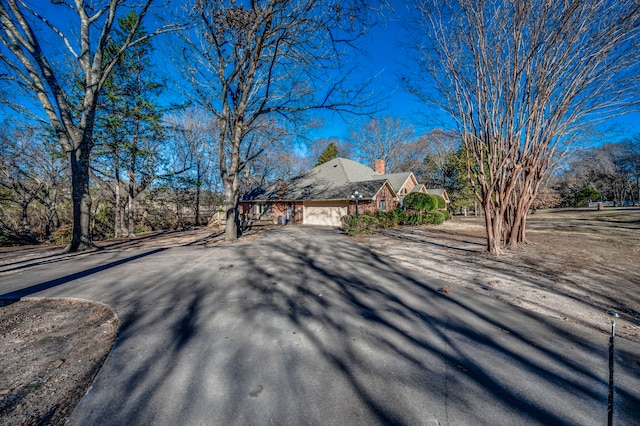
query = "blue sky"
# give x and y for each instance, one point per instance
(386, 58)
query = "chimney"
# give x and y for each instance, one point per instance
(379, 166)
(283, 190)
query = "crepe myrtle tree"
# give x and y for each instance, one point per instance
(268, 61)
(523, 80)
(39, 56)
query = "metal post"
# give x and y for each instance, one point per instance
(613, 316)
(356, 196)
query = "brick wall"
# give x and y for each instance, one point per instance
(273, 211)
(370, 206)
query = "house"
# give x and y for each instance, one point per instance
(440, 192)
(324, 194)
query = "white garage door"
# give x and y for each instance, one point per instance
(319, 213)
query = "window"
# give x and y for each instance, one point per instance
(383, 205)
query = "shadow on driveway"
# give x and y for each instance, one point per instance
(304, 326)
(36, 288)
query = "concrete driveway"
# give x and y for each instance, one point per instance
(303, 326)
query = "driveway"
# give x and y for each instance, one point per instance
(304, 326)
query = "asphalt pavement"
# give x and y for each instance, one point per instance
(303, 326)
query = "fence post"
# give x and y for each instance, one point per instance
(613, 316)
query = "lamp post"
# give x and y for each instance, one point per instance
(356, 196)
(613, 316)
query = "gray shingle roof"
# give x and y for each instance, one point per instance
(435, 191)
(333, 180)
(303, 188)
(397, 179)
(418, 188)
(341, 170)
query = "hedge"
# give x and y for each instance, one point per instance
(364, 224)
(420, 202)
(369, 222)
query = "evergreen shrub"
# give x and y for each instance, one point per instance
(386, 220)
(364, 224)
(437, 218)
(369, 222)
(420, 202)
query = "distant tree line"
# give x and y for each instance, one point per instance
(256, 69)
(98, 141)
(178, 186)
(608, 172)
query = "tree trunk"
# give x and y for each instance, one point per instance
(198, 183)
(231, 208)
(522, 201)
(523, 212)
(495, 246)
(515, 229)
(117, 205)
(131, 196)
(493, 225)
(119, 228)
(81, 199)
(26, 228)
(489, 230)
(230, 174)
(53, 220)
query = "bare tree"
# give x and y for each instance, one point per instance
(195, 132)
(271, 58)
(25, 32)
(548, 195)
(630, 166)
(429, 156)
(522, 79)
(284, 165)
(276, 161)
(16, 175)
(382, 139)
(612, 169)
(31, 170)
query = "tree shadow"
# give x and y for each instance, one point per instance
(36, 288)
(19, 260)
(39, 258)
(299, 327)
(551, 273)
